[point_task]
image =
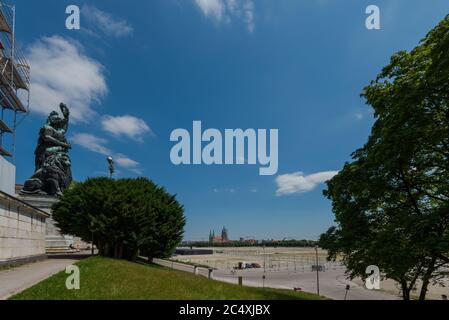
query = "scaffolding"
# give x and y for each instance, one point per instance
(14, 80)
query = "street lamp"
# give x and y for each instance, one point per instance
(348, 287)
(111, 166)
(264, 259)
(317, 271)
(92, 244)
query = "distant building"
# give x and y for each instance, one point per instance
(211, 236)
(219, 239)
(224, 235)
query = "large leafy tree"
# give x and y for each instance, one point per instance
(124, 217)
(391, 202)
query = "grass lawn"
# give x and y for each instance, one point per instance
(109, 279)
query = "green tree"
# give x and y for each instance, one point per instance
(391, 203)
(124, 217)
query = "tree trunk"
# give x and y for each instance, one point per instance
(100, 247)
(423, 293)
(405, 291)
(133, 255)
(426, 280)
(109, 249)
(120, 250)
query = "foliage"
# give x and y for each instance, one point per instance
(123, 216)
(391, 202)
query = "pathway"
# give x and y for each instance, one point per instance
(17, 279)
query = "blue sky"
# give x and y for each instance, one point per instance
(137, 70)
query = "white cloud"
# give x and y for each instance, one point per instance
(124, 161)
(229, 190)
(212, 8)
(223, 11)
(248, 15)
(92, 143)
(297, 182)
(105, 22)
(126, 125)
(98, 145)
(63, 73)
(127, 163)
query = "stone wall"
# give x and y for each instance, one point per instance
(7, 176)
(55, 241)
(22, 230)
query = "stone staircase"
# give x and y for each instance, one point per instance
(55, 242)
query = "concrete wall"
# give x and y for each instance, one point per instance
(55, 241)
(22, 231)
(7, 176)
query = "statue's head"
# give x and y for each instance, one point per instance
(54, 120)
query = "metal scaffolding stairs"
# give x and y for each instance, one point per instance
(14, 76)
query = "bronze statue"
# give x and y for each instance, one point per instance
(53, 172)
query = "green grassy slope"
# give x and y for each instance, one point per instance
(103, 278)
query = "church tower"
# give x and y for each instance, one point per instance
(224, 235)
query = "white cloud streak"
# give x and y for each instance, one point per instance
(98, 145)
(297, 182)
(92, 143)
(212, 8)
(105, 22)
(223, 11)
(61, 72)
(128, 126)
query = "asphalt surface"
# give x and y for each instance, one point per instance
(332, 283)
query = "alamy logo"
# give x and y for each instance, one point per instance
(73, 280)
(73, 20)
(373, 280)
(240, 147)
(373, 20)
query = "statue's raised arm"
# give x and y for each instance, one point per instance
(66, 113)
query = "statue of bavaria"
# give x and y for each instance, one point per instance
(53, 172)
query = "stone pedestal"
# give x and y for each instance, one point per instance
(55, 242)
